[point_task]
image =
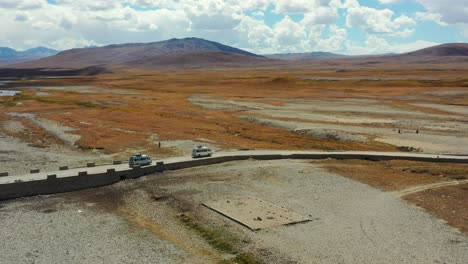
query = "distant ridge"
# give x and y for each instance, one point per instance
(9, 55)
(449, 49)
(444, 50)
(194, 53)
(171, 52)
(307, 56)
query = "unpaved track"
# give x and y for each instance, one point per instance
(420, 188)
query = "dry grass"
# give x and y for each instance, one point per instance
(448, 203)
(385, 175)
(160, 111)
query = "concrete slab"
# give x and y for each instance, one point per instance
(254, 213)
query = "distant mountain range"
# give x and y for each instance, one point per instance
(200, 53)
(307, 56)
(189, 52)
(9, 55)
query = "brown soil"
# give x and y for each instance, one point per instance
(448, 203)
(385, 175)
(115, 122)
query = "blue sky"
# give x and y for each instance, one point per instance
(261, 26)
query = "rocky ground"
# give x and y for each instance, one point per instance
(18, 157)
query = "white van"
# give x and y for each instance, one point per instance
(201, 151)
(139, 160)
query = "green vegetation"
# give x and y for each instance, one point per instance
(220, 239)
(24, 96)
(241, 259)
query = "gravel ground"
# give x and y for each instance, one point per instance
(425, 141)
(356, 120)
(136, 221)
(42, 231)
(18, 157)
(352, 222)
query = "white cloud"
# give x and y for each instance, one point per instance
(425, 16)
(321, 11)
(452, 12)
(248, 5)
(152, 3)
(336, 42)
(90, 5)
(389, 2)
(213, 15)
(293, 7)
(289, 33)
(377, 21)
(22, 17)
(378, 45)
(70, 43)
(22, 4)
(403, 34)
(254, 35)
(245, 24)
(445, 13)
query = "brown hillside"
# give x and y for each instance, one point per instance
(156, 53)
(451, 49)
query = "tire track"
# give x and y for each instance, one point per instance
(431, 186)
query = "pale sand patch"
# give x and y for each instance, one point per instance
(458, 109)
(14, 126)
(426, 141)
(58, 130)
(84, 89)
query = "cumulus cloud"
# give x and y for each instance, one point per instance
(288, 33)
(377, 21)
(455, 11)
(22, 4)
(335, 42)
(445, 14)
(22, 17)
(90, 5)
(213, 15)
(389, 2)
(437, 18)
(379, 45)
(298, 25)
(152, 3)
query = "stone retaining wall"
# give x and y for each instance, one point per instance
(83, 180)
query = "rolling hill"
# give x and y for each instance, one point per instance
(188, 52)
(444, 50)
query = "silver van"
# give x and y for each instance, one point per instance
(201, 151)
(139, 160)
